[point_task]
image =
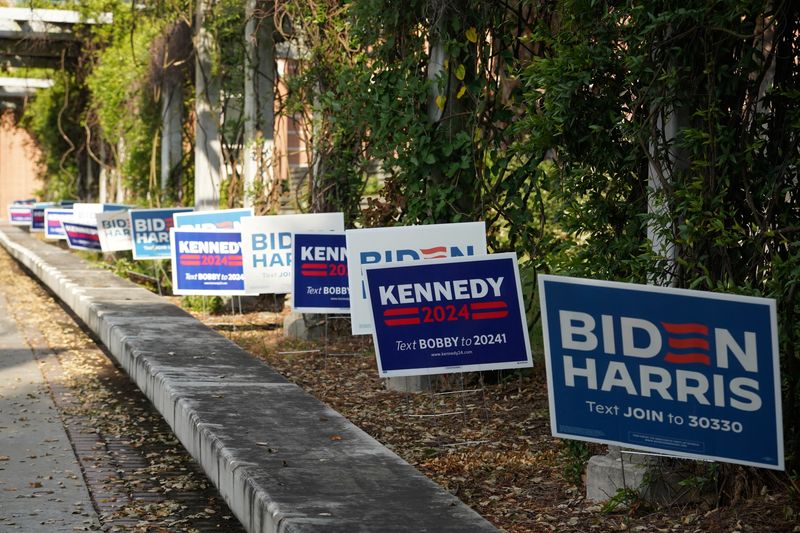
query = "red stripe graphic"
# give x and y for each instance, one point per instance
(190, 256)
(402, 321)
(478, 306)
(314, 269)
(401, 311)
(81, 235)
(688, 343)
(489, 314)
(688, 358)
(434, 250)
(681, 329)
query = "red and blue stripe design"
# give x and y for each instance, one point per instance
(210, 260)
(416, 315)
(314, 269)
(687, 343)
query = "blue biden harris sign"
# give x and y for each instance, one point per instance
(689, 373)
(448, 315)
(150, 231)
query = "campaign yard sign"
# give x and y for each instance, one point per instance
(403, 243)
(452, 315)
(207, 262)
(20, 214)
(267, 247)
(53, 216)
(150, 231)
(690, 373)
(319, 273)
(37, 216)
(209, 220)
(81, 235)
(86, 211)
(114, 230)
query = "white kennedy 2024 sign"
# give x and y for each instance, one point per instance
(267, 247)
(403, 243)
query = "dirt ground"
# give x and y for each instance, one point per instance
(139, 477)
(486, 438)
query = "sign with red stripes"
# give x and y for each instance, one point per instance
(20, 214)
(400, 244)
(206, 262)
(319, 273)
(449, 315)
(53, 218)
(81, 235)
(689, 373)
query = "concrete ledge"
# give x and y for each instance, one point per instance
(264, 442)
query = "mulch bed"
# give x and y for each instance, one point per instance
(487, 440)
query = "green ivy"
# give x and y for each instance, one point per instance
(599, 101)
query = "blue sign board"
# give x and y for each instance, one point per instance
(689, 373)
(37, 216)
(115, 207)
(150, 231)
(205, 220)
(319, 270)
(448, 315)
(81, 235)
(52, 222)
(207, 262)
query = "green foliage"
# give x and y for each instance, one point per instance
(576, 454)
(572, 127)
(54, 120)
(205, 304)
(623, 498)
(125, 106)
(705, 479)
(600, 100)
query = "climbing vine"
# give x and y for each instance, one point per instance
(581, 131)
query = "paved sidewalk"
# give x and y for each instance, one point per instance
(41, 487)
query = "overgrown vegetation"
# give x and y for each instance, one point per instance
(581, 131)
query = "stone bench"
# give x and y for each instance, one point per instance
(265, 443)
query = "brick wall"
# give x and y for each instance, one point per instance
(18, 168)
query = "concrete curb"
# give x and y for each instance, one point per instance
(264, 442)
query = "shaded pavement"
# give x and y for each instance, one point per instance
(41, 487)
(81, 448)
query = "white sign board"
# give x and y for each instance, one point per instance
(403, 243)
(210, 220)
(53, 216)
(267, 247)
(85, 212)
(114, 229)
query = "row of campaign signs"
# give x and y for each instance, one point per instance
(689, 373)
